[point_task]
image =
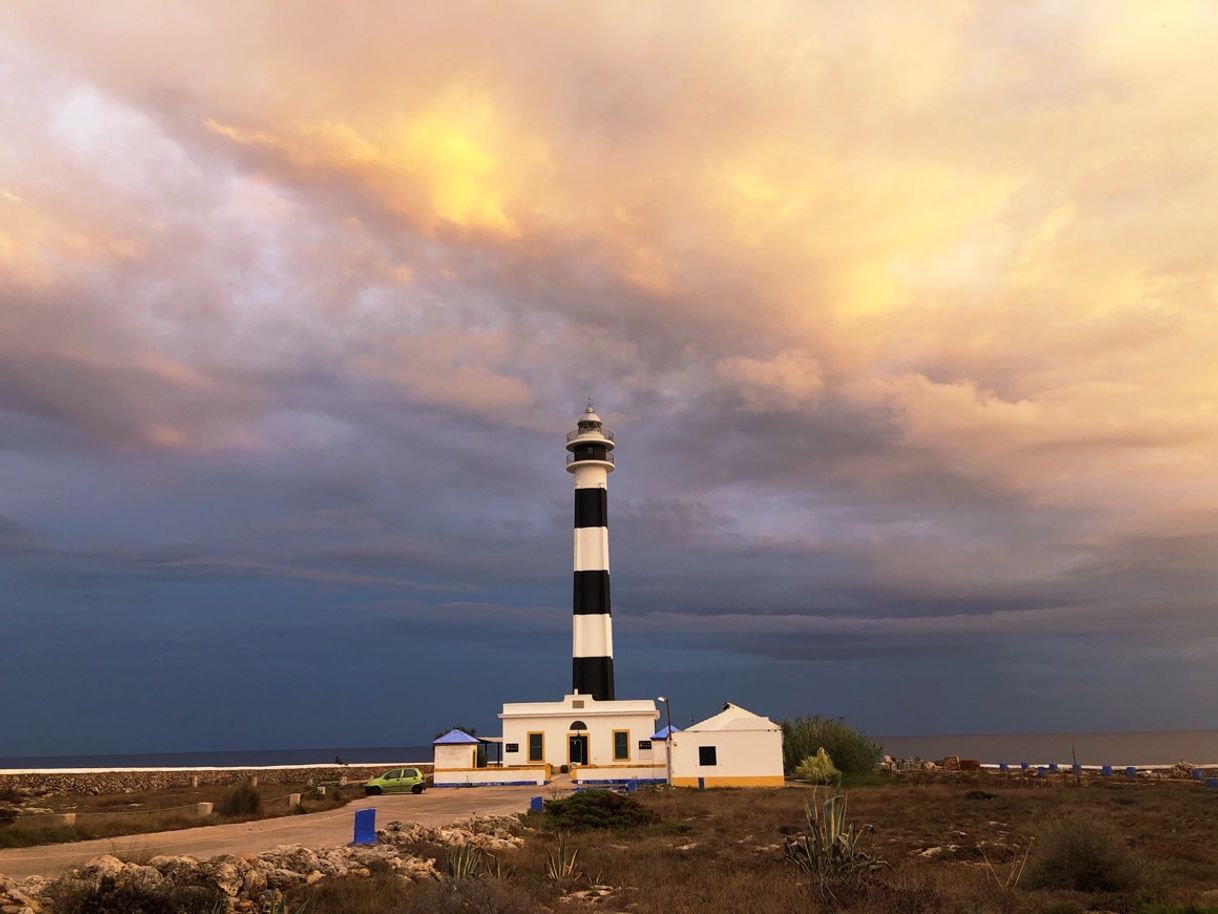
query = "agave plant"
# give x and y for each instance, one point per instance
(495, 868)
(560, 864)
(831, 850)
(463, 862)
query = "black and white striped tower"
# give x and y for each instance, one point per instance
(590, 459)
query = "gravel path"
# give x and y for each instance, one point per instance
(319, 829)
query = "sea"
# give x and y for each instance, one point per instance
(1162, 747)
(1157, 747)
(231, 758)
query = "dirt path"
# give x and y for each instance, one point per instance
(320, 829)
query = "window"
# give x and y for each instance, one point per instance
(410, 773)
(621, 745)
(707, 755)
(578, 725)
(393, 775)
(537, 747)
(511, 747)
(577, 702)
(644, 745)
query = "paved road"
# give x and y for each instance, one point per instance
(318, 829)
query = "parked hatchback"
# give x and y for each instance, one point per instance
(399, 780)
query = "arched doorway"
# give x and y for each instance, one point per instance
(577, 743)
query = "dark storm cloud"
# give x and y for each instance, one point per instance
(294, 311)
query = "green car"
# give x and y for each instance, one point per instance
(399, 780)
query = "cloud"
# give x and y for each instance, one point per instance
(905, 317)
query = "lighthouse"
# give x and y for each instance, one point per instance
(590, 461)
(591, 734)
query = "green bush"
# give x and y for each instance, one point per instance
(851, 751)
(241, 802)
(598, 809)
(818, 769)
(1084, 855)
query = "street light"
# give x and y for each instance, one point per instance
(668, 739)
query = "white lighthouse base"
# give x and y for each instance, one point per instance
(598, 741)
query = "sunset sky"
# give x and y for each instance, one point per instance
(905, 317)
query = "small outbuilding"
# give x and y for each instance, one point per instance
(735, 748)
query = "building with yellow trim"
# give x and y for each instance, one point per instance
(735, 748)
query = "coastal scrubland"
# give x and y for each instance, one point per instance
(965, 844)
(110, 815)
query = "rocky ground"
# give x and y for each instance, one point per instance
(252, 883)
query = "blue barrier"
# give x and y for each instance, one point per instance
(1003, 767)
(1106, 771)
(1041, 771)
(1211, 782)
(537, 804)
(1053, 767)
(1198, 774)
(1023, 766)
(365, 826)
(1131, 772)
(632, 785)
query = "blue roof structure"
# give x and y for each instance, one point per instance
(455, 738)
(663, 733)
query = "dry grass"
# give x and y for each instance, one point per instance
(114, 815)
(720, 851)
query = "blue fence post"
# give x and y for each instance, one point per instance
(365, 826)
(1106, 771)
(1053, 767)
(1131, 772)
(1023, 766)
(536, 804)
(1198, 774)
(1003, 767)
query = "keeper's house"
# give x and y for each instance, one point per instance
(735, 748)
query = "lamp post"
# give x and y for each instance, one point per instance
(668, 738)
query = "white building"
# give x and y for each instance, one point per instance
(735, 748)
(600, 741)
(598, 738)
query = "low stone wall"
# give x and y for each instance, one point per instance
(138, 780)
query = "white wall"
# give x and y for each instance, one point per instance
(485, 777)
(620, 773)
(744, 758)
(450, 757)
(600, 737)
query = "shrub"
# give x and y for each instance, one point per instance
(1084, 855)
(381, 893)
(242, 801)
(851, 751)
(110, 897)
(818, 769)
(831, 851)
(465, 896)
(598, 809)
